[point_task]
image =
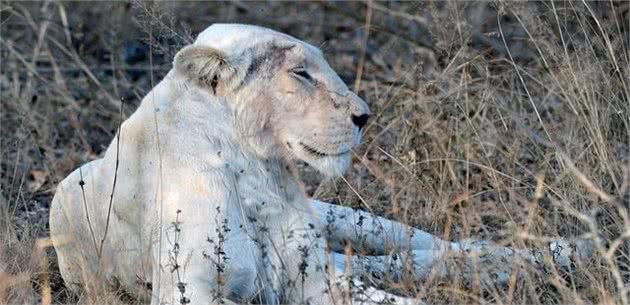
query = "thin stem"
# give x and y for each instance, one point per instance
(111, 195)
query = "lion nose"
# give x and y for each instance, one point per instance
(360, 120)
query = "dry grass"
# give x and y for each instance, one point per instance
(491, 120)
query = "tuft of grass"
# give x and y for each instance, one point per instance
(491, 120)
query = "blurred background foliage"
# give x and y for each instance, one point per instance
(474, 105)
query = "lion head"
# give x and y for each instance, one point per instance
(287, 100)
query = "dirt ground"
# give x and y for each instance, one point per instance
(490, 120)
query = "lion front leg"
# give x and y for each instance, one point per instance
(394, 247)
(373, 234)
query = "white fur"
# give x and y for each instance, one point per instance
(394, 248)
(206, 206)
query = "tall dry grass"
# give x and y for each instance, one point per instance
(491, 120)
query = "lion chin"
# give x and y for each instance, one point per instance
(329, 164)
(332, 166)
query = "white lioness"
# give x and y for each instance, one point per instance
(197, 202)
(206, 206)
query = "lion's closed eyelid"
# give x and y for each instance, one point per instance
(301, 72)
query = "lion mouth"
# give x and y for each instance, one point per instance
(314, 151)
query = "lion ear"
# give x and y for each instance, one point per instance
(209, 68)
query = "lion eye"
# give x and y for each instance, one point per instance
(302, 73)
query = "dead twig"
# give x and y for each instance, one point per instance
(111, 196)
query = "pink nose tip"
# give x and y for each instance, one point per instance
(360, 120)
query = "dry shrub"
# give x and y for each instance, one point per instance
(491, 120)
(527, 94)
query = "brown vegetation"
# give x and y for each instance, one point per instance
(491, 120)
